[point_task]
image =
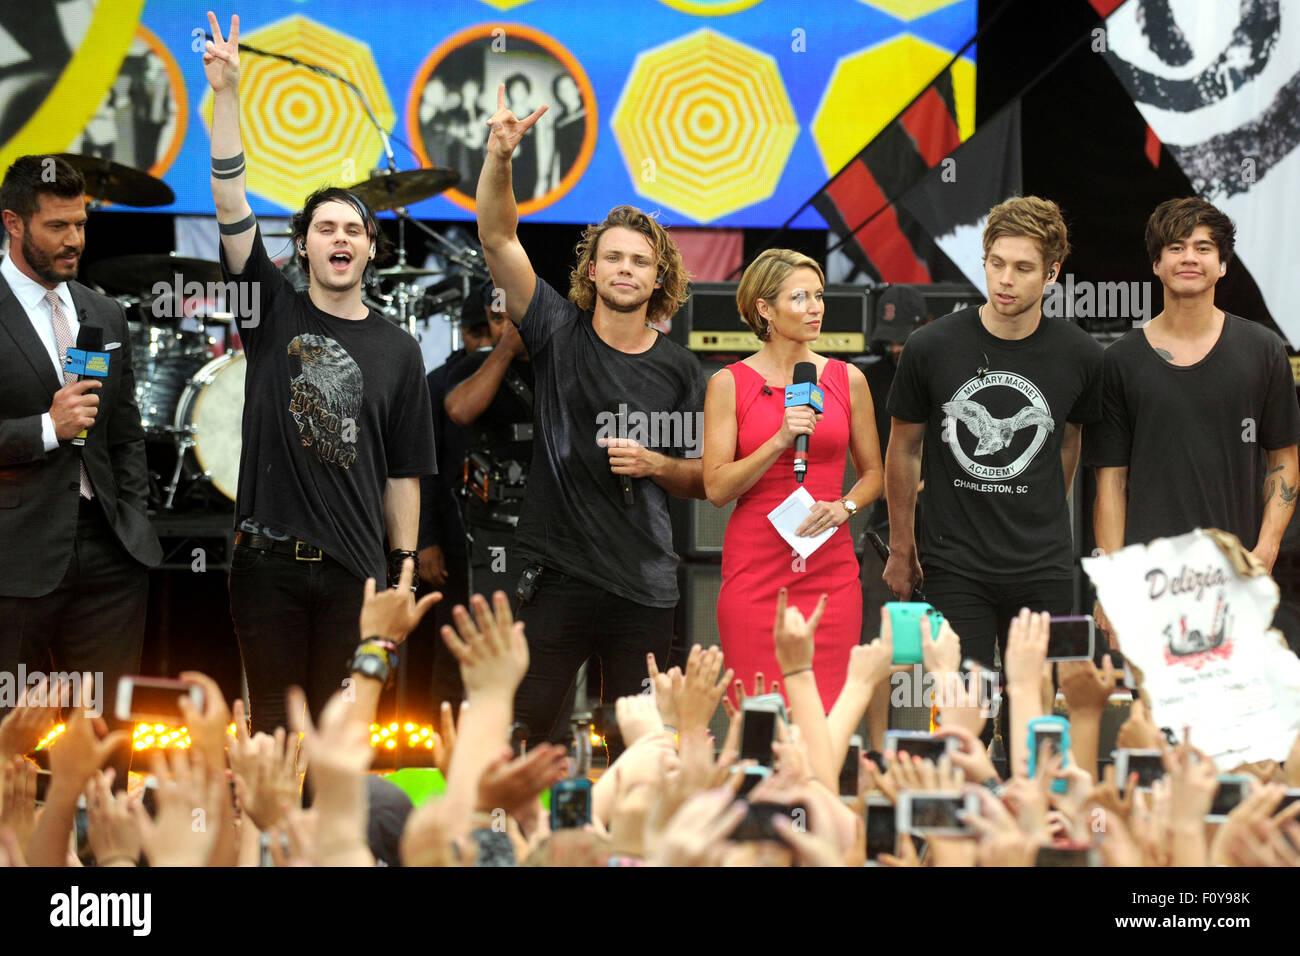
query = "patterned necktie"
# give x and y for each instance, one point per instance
(63, 340)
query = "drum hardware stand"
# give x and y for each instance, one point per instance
(186, 443)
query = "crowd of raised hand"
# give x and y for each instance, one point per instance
(672, 798)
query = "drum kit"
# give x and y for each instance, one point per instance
(189, 371)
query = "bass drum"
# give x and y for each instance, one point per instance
(210, 415)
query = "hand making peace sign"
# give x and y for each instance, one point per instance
(221, 56)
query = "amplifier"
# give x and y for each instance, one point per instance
(709, 321)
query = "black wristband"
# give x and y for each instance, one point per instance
(802, 670)
(235, 228)
(396, 557)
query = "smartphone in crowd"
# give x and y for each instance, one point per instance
(936, 812)
(1148, 764)
(1055, 733)
(155, 699)
(849, 772)
(905, 623)
(1233, 788)
(758, 728)
(1068, 853)
(43, 778)
(571, 803)
(882, 828)
(1072, 638)
(918, 743)
(757, 824)
(754, 774)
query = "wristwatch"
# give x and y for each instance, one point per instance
(849, 506)
(375, 660)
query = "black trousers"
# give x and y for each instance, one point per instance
(297, 624)
(566, 622)
(981, 612)
(93, 621)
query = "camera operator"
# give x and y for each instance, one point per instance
(490, 396)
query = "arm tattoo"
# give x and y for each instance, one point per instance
(1288, 493)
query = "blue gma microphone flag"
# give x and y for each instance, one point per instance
(804, 393)
(82, 362)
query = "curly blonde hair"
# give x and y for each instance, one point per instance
(668, 296)
(763, 280)
(1034, 218)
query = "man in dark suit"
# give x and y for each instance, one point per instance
(75, 541)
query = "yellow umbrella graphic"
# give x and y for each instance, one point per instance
(302, 130)
(705, 125)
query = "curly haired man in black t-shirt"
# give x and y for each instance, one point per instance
(594, 533)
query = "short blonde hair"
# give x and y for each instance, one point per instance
(1034, 218)
(763, 280)
(671, 292)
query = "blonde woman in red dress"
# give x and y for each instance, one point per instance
(749, 438)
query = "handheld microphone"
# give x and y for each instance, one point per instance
(803, 391)
(87, 360)
(619, 411)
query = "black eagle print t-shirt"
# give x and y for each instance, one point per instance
(333, 408)
(995, 413)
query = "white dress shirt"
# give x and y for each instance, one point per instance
(31, 296)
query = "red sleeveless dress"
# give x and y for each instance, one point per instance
(756, 560)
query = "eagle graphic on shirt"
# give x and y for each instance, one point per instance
(994, 434)
(325, 399)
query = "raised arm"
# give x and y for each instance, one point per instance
(471, 397)
(902, 480)
(498, 217)
(234, 215)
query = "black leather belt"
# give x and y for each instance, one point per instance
(301, 550)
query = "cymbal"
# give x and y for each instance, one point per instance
(393, 272)
(119, 184)
(140, 273)
(390, 190)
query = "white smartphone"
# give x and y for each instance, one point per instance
(157, 699)
(1149, 765)
(919, 743)
(936, 812)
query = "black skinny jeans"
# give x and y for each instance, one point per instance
(297, 625)
(569, 620)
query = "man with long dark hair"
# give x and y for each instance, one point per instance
(337, 431)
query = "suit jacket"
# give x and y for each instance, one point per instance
(39, 490)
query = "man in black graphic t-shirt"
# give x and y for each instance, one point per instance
(1200, 421)
(997, 395)
(595, 521)
(336, 434)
